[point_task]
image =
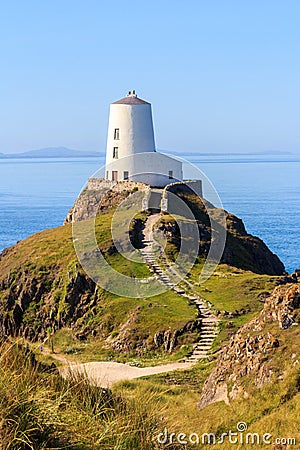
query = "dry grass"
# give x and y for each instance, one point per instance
(40, 410)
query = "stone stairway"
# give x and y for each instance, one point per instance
(209, 328)
(155, 268)
(151, 251)
(209, 331)
(209, 323)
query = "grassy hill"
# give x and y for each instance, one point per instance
(43, 291)
(46, 298)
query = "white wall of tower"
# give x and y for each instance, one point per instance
(135, 126)
(130, 151)
(151, 168)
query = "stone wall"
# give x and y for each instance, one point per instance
(194, 186)
(96, 184)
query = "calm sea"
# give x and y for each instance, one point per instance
(265, 192)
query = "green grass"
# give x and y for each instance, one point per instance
(134, 321)
(49, 258)
(233, 294)
(128, 267)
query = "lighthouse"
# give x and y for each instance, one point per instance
(130, 153)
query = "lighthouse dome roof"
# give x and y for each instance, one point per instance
(131, 99)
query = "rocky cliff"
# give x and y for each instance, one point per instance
(43, 289)
(254, 352)
(242, 250)
(100, 195)
(33, 305)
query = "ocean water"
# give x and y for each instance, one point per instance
(264, 191)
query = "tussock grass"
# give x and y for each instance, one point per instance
(21, 397)
(40, 410)
(274, 408)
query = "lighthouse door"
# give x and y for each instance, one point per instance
(114, 175)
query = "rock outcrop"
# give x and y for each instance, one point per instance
(31, 309)
(168, 338)
(250, 350)
(99, 196)
(242, 250)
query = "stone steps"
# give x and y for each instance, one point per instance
(204, 337)
(178, 291)
(202, 347)
(209, 336)
(209, 328)
(196, 358)
(199, 353)
(203, 343)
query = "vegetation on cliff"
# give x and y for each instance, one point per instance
(242, 250)
(43, 290)
(255, 380)
(45, 297)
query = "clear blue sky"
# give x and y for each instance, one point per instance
(222, 75)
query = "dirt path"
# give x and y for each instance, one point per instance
(148, 230)
(105, 374)
(58, 357)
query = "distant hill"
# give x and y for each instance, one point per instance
(64, 152)
(228, 153)
(53, 152)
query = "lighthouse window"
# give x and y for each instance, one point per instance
(171, 174)
(116, 152)
(117, 133)
(126, 175)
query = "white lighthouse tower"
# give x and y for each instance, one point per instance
(130, 152)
